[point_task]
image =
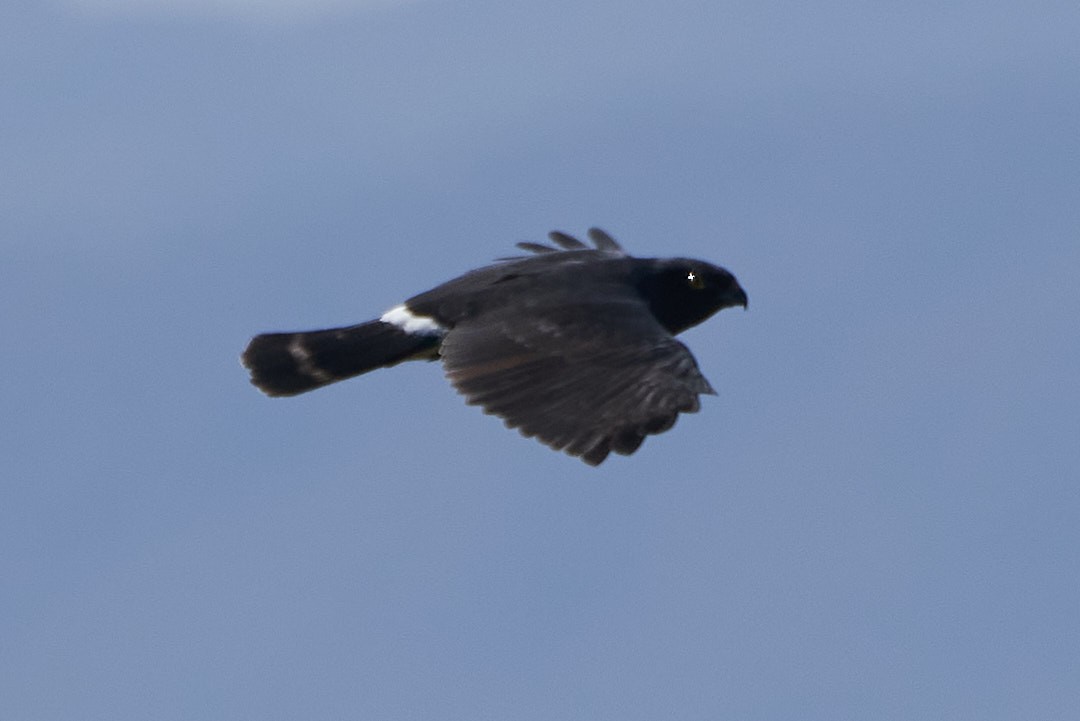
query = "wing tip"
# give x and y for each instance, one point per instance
(601, 241)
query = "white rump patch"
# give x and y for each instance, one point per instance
(409, 322)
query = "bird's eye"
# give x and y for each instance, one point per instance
(694, 280)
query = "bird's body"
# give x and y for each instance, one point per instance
(573, 346)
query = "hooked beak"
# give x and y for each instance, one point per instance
(738, 297)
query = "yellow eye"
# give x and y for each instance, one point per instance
(694, 280)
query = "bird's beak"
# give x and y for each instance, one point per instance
(738, 297)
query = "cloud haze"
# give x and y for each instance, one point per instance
(268, 11)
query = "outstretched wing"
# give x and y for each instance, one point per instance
(587, 379)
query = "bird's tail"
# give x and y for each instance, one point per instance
(286, 364)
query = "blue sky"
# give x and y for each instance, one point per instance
(876, 518)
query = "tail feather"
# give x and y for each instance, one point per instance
(285, 364)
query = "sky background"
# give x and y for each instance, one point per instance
(878, 517)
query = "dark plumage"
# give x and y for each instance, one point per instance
(573, 345)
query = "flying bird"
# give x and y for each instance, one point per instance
(573, 345)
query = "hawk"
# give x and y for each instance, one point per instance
(573, 345)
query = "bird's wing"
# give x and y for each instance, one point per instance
(587, 379)
(564, 241)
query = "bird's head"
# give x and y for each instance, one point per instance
(682, 292)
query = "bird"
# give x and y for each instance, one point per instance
(572, 345)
